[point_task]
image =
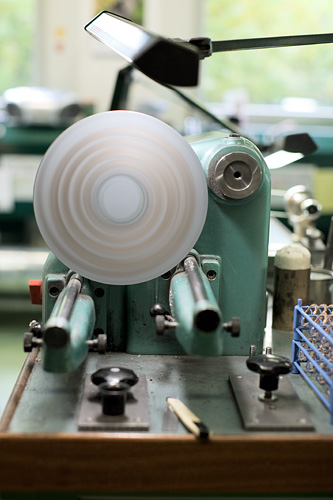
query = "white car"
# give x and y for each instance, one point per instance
(41, 106)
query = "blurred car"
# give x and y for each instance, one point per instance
(26, 106)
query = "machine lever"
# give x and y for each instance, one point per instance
(206, 319)
(68, 298)
(270, 367)
(56, 330)
(113, 385)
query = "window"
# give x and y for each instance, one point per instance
(269, 75)
(17, 30)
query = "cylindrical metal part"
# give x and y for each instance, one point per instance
(206, 319)
(196, 311)
(235, 175)
(113, 397)
(192, 270)
(57, 329)
(68, 297)
(291, 282)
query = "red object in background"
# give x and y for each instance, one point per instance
(35, 289)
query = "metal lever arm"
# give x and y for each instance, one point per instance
(176, 61)
(271, 42)
(56, 334)
(69, 327)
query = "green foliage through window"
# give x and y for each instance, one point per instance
(17, 30)
(269, 75)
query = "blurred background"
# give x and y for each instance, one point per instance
(52, 73)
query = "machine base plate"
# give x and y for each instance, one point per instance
(135, 418)
(287, 413)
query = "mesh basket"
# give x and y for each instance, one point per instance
(312, 354)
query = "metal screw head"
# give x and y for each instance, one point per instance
(157, 309)
(211, 275)
(234, 175)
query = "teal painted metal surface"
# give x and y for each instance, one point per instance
(237, 231)
(206, 340)
(141, 335)
(232, 252)
(79, 329)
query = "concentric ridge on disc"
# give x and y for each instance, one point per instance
(120, 197)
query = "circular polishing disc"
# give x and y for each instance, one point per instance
(120, 197)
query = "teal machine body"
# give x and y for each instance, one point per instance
(213, 303)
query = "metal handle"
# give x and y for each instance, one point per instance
(56, 329)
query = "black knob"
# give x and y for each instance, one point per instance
(114, 375)
(113, 397)
(270, 367)
(113, 384)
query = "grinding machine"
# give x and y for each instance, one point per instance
(159, 245)
(154, 307)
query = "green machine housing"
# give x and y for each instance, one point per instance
(219, 288)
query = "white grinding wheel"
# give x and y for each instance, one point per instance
(120, 197)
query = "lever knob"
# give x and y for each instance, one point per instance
(114, 384)
(270, 367)
(114, 375)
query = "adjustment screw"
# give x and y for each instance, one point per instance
(99, 344)
(232, 327)
(157, 309)
(36, 328)
(30, 341)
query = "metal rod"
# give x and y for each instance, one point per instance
(196, 281)
(271, 42)
(67, 300)
(207, 317)
(57, 331)
(17, 392)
